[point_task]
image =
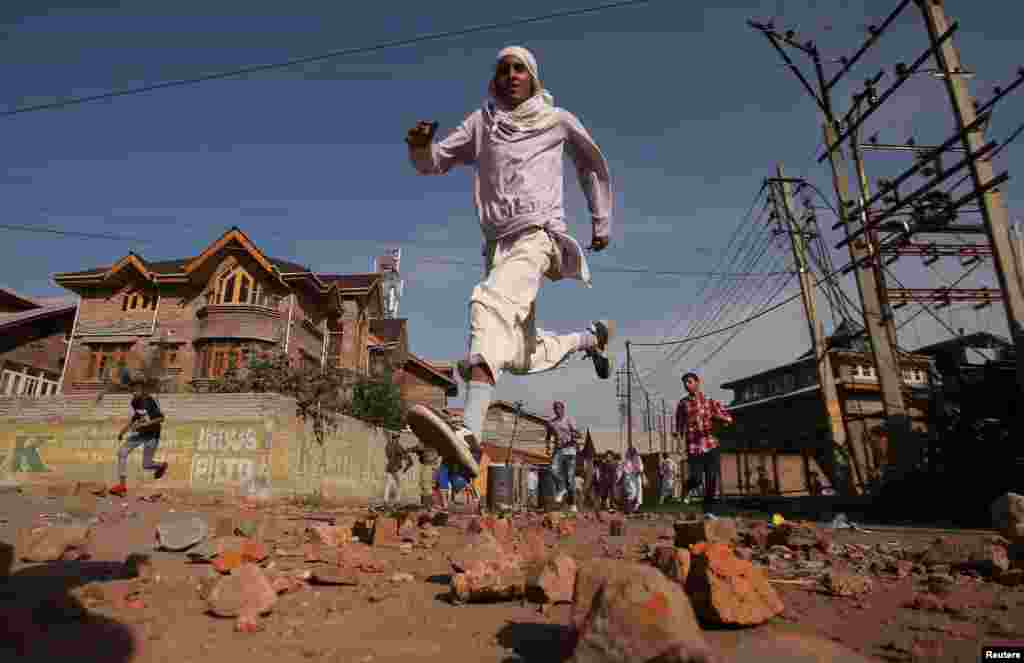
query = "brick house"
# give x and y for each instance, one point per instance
(780, 413)
(32, 344)
(201, 315)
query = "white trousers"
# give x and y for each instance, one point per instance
(391, 488)
(502, 310)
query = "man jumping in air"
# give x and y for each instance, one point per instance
(516, 143)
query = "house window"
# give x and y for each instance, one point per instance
(216, 359)
(865, 372)
(106, 361)
(914, 376)
(236, 286)
(138, 301)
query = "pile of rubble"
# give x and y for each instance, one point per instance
(624, 607)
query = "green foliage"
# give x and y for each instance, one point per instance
(321, 395)
(378, 401)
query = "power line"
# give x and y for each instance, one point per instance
(728, 299)
(746, 256)
(707, 358)
(1013, 136)
(723, 329)
(71, 233)
(932, 313)
(736, 233)
(323, 56)
(747, 320)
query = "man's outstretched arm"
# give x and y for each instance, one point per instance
(430, 158)
(594, 178)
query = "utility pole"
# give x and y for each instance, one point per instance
(890, 379)
(629, 397)
(871, 235)
(993, 209)
(650, 427)
(823, 361)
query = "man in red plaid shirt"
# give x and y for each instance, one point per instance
(696, 415)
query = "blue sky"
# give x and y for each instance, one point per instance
(691, 107)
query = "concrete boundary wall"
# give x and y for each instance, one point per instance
(218, 443)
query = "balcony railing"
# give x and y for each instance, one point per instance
(259, 299)
(239, 321)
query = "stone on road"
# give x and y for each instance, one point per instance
(247, 591)
(49, 544)
(728, 590)
(182, 533)
(640, 615)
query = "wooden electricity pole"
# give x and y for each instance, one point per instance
(993, 209)
(823, 362)
(883, 349)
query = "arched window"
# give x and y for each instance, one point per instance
(138, 301)
(236, 286)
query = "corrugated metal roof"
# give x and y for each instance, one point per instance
(795, 392)
(33, 315)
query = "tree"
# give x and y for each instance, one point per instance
(322, 395)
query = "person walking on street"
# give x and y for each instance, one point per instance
(588, 455)
(696, 415)
(429, 461)
(632, 480)
(143, 430)
(398, 462)
(516, 142)
(562, 434)
(666, 478)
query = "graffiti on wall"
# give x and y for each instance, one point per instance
(231, 453)
(25, 456)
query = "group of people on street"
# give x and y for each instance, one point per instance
(609, 479)
(619, 479)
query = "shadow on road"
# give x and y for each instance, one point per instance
(41, 621)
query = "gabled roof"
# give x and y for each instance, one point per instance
(350, 281)
(181, 266)
(130, 260)
(451, 386)
(510, 407)
(499, 454)
(979, 339)
(234, 234)
(10, 321)
(14, 300)
(731, 384)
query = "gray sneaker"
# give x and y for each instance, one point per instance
(604, 330)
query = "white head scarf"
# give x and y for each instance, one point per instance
(536, 113)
